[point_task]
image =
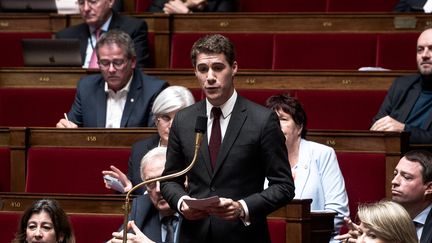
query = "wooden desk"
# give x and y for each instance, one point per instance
(32, 22)
(14, 139)
(302, 226)
(298, 22)
(245, 79)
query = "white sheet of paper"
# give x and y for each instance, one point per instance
(67, 6)
(203, 203)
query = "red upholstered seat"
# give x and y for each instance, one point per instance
(17, 106)
(9, 222)
(340, 109)
(93, 227)
(277, 230)
(72, 170)
(361, 6)
(253, 51)
(142, 5)
(11, 49)
(260, 96)
(5, 170)
(324, 51)
(282, 6)
(365, 177)
(397, 51)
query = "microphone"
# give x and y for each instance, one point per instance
(200, 129)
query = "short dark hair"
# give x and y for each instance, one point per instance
(120, 38)
(210, 44)
(58, 217)
(424, 158)
(291, 106)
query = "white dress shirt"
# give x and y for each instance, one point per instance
(115, 105)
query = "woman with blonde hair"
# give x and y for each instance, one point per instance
(385, 222)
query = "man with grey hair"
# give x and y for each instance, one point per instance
(121, 96)
(151, 219)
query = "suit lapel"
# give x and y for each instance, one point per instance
(131, 99)
(415, 92)
(101, 99)
(204, 151)
(238, 117)
(302, 171)
(83, 37)
(426, 236)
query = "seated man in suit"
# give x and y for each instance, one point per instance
(408, 104)
(99, 17)
(423, 6)
(151, 218)
(121, 96)
(189, 6)
(411, 188)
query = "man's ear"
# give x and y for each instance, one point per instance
(428, 190)
(234, 67)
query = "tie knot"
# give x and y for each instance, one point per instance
(217, 112)
(168, 220)
(97, 33)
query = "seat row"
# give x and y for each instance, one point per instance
(263, 41)
(332, 100)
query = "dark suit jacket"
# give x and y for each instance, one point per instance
(426, 236)
(212, 6)
(139, 149)
(146, 218)
(399, 101)
(253, 148)
(89, 107)
(410, 6)
(136, 28)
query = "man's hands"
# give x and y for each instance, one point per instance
(136, 237)
(180, 7)
(116, 173)
(226, 209)
(388, 124)
(63, 123)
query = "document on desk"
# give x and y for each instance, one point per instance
(203, 203)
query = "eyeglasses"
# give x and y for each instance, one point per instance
(152, 186)
(117, 63)
(89, 2)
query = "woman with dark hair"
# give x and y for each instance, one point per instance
(314, 166)
(44, 221)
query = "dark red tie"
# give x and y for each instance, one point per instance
(216, 136)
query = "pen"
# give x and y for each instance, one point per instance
(66, 117)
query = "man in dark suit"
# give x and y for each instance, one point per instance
(188, 6)
(252, 148)
(98, 15)
(408, 104)
(121, 96)
(411, 188)
(410, 6)
(146, 220)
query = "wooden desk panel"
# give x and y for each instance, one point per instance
(31, 22)
(305, 22)
(245, 79)
(302, 226)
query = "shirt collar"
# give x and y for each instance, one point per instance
(226, 108)
(421, 217)
(126, 88)
(104, 27)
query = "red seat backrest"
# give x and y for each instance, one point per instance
(324, 51)
(397, 51)
(365, 177)
(247, 53)
(340, 109)
(282, 6)
(11, 48)
(93, 227)
(277, 230)
(142, 5)
(72, 170)
(260, 96)
(9, 222)
(20, 102)
(5, 170)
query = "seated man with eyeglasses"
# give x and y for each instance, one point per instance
(121, 95)
(151, 218)
(99, 16)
